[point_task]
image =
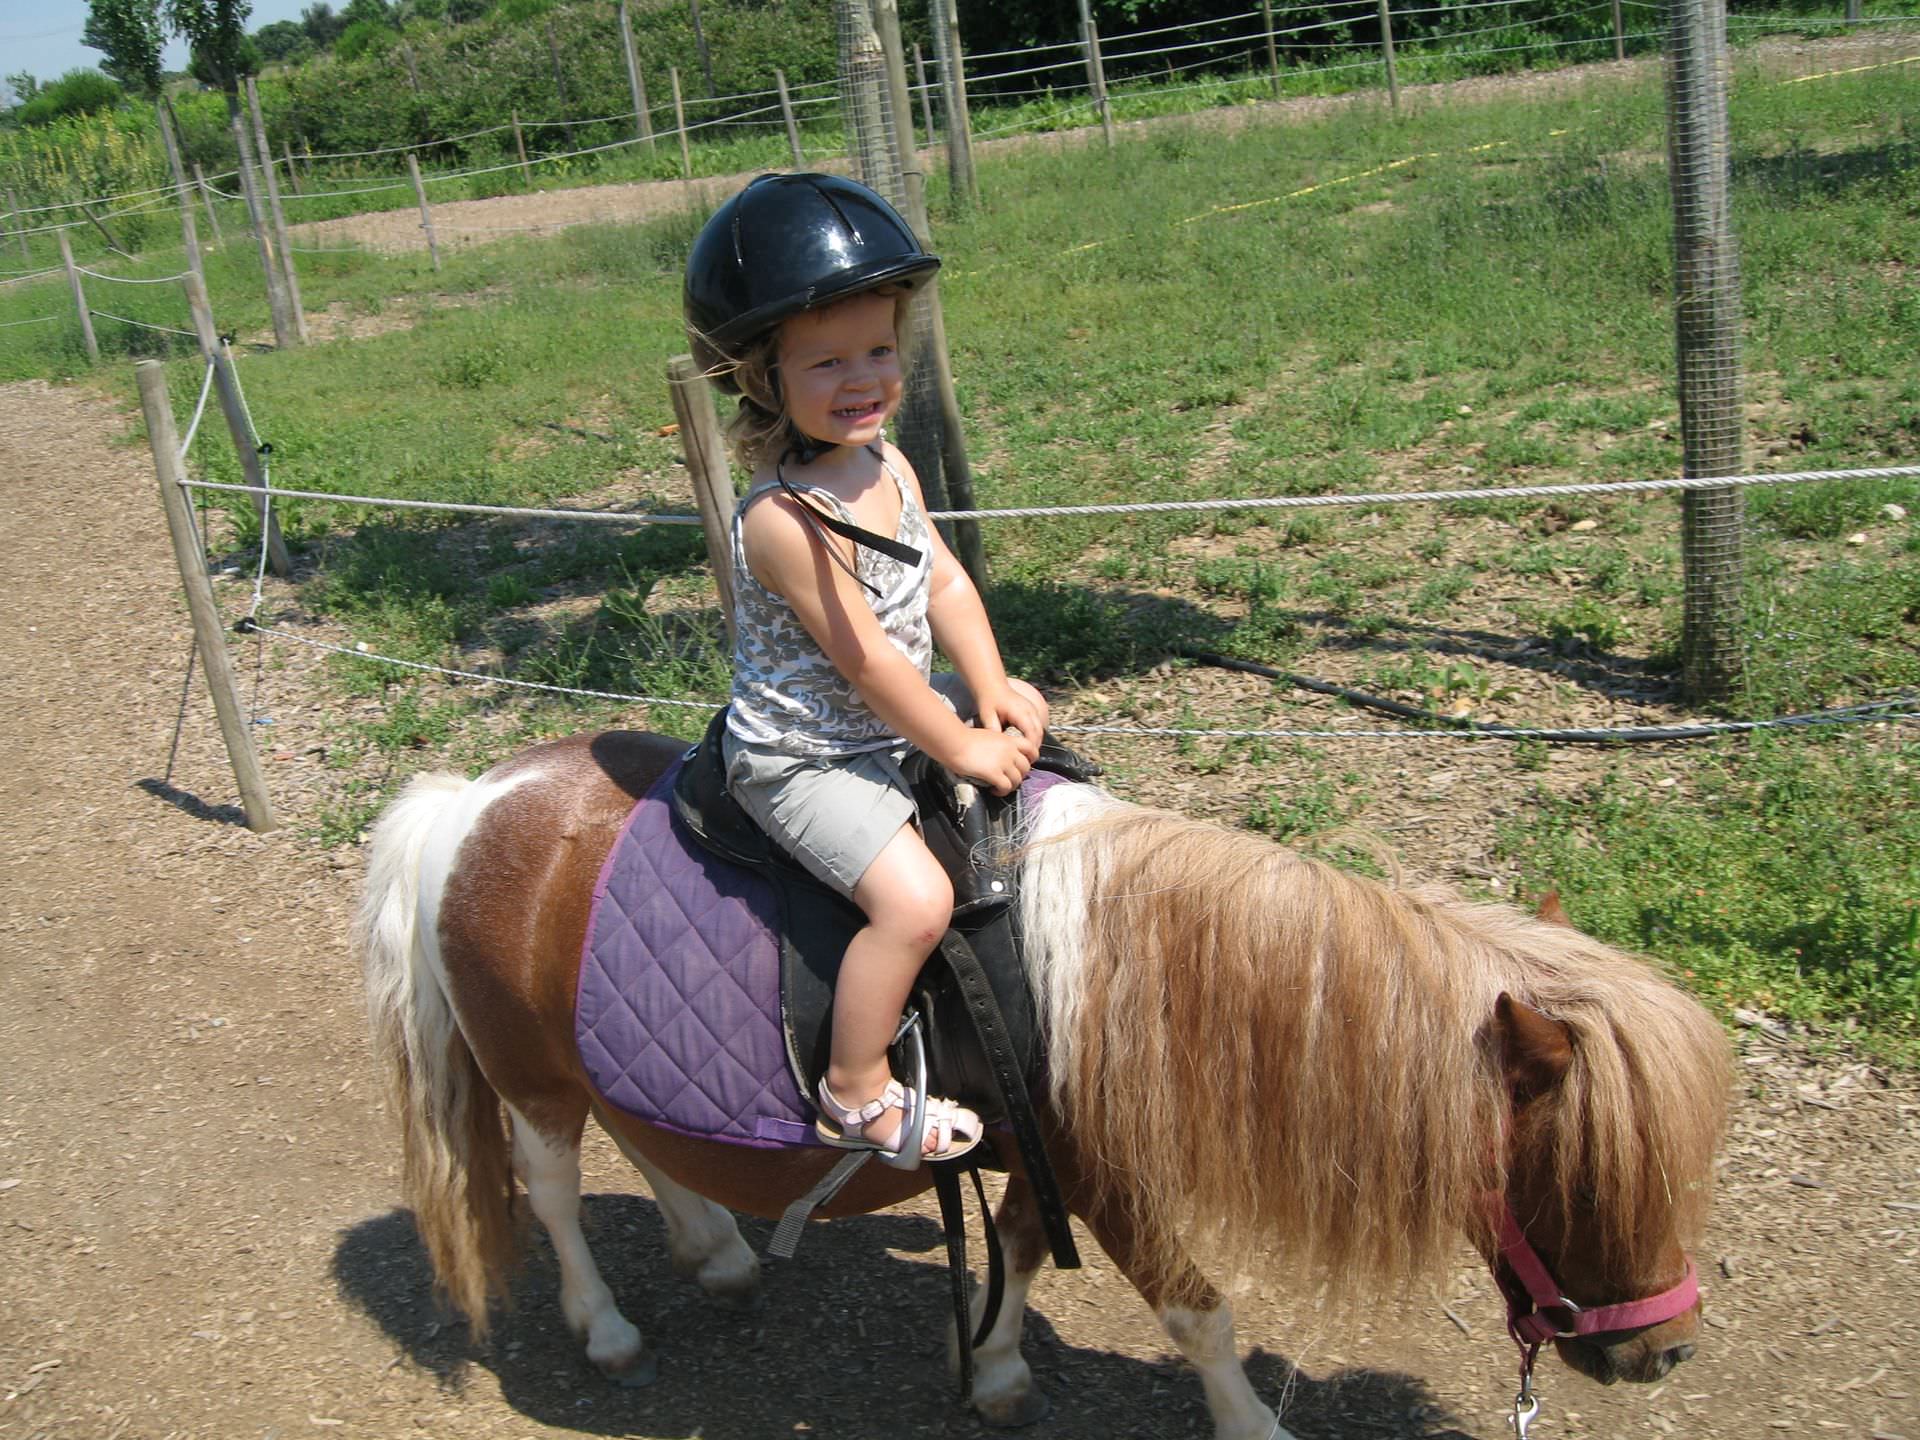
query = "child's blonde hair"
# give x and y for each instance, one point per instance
(761, 431)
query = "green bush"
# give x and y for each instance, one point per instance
(78, 92)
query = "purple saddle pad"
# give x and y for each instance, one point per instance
(678, 1011)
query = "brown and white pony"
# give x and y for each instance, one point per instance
(1257, 1062)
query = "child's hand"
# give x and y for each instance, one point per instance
(1019, 708)
(993, 757)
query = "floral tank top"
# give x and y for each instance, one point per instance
(787, 695)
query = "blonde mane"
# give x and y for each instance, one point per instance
(1292, 1068)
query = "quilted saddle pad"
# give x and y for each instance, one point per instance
(677, 1014)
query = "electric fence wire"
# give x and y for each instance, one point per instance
(140, 324)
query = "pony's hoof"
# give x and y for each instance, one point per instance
(1012, 1412)
(635, 1374)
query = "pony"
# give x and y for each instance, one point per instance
(1257, 1065)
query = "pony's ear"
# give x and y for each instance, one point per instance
(1535, 1049)
(1552, 911)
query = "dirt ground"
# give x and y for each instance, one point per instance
(199, 1234)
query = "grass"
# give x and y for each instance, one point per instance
(1459, 295)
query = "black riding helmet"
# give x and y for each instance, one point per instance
(789, 243)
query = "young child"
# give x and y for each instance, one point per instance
(796, 298)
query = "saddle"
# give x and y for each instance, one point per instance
(972, 832)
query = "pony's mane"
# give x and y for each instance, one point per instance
(1296, 1067)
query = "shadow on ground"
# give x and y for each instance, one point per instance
(849, 1343)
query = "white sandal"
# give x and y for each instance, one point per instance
(952, 1128)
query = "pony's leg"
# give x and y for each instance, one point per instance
(1003, 1388)
(703, 1239)
(1200, 1322)
(550, 1169)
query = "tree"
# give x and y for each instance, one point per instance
(128, 32)
(322, 25)
(216, 31)
(23, 86)
(282, 40)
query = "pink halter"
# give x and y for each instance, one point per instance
(1537, 1312)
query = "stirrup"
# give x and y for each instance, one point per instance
(844, 1128)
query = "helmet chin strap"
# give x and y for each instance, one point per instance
(820, 521)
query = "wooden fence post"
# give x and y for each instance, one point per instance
(208, 633)
(287, 271)
(786, 114)
(520, 147)
(1386, 52)
(680, 127)
(426, 215)
(283, 331)
(206, 196)
(20, 230)
(950, 58)
(189, 233)
(246, 444)
(707, 463)
(636, 83)
(1096, 72)
(293, 172)
(1619, 33)
(1273, 57)
(79, 295)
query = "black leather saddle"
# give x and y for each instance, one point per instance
(973, 833)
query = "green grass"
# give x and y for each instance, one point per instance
(1789, 882)
(1396, 305)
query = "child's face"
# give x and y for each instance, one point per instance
(840, 370)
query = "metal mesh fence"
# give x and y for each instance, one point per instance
(1707, 341)
(874, 142)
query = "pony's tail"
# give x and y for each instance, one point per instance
(457, 1164)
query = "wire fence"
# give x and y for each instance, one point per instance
(1146, 63)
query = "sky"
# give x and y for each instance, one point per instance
(43, 36)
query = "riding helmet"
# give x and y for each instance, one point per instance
(788, 243)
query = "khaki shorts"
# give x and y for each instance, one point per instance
(833, 815)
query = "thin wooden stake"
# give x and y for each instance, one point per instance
(926, 93)
(706, 451)
(786, 114)
(636, 82)
(246, 444)
(287, 270)
(1619, 33)
(680, 127)
(213, 215)
(293, 171)
(426, 215)
(79, 296)
(208, 633)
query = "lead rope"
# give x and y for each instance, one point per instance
(1526, 1405)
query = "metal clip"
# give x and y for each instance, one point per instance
(1526, 1406)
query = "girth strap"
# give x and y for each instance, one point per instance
(991, 1027)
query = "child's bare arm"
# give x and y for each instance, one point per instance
(789, 560)
(965, 634)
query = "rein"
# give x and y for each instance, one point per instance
(1537, 1311)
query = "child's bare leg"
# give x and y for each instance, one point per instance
(908, 902)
